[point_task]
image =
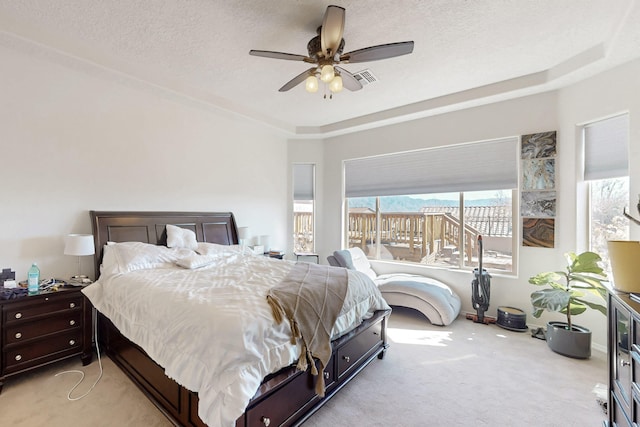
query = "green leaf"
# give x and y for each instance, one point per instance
(587, 262)
(547, 278)
(575, 309)
(550, 299)
(595, 306)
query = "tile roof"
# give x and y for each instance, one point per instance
(487, 220)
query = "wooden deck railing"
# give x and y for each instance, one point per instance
(412, 235)
(303, 231)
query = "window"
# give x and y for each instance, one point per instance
(606, 171)
(430, 206)
(303, 207)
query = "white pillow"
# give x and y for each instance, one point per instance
(205, 248)
(361, 262)
(196, 261)
(130, 256)
(178, 237)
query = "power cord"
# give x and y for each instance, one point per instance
(76, 371)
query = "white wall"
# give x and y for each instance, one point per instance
(561, 110)
(77, 138)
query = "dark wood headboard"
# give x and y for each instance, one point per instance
(150, 227)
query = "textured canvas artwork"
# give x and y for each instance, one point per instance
(538, 232)
(539, 204)
(539, 145)
(537, 189)
(538, 174)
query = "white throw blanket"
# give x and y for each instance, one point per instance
(211, 328)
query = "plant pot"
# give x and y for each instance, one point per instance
(624, 256)
(574, 343)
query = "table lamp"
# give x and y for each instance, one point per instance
(79, 245)
(243, 235)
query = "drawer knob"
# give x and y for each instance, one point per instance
(18, 357)
(72, 322)
(72, 342)
(346, 359)
(18, 315)
(266, 421)
(326, 375)
(18, 335)
(624, 363)
(72, 305)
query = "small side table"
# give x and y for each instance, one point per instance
(307, 255)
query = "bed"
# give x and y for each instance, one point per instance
(283, 395)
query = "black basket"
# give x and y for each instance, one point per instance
(512, 318)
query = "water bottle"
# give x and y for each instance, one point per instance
(33, 280)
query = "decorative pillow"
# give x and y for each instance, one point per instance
(196, 261)
(361, 262)
(344, 259)
(129, 256)
(178, 237)
(333, 261)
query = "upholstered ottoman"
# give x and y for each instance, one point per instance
(429, 296)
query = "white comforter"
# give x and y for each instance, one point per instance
(211, 328)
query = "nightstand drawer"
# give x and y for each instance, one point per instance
(19, 357)
(23, 331)
(22, 311)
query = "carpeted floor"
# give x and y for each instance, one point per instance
(459, 375)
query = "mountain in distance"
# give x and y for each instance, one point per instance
(411, 204)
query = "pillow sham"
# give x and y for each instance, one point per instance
(205, 248)
(178, 237)
(196, 261)
(129, 256)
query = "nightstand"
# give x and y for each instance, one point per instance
(304, 255)
(42, 329)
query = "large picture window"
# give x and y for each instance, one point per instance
(430, 206)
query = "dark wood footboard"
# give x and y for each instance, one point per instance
(286, 398)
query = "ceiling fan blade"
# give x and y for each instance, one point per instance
(375, 53)
(279, 55)
(332, 30)
(297, 80)
(348, 80)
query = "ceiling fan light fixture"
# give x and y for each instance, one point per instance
(336, 84)
(311, 84)
(327, 73)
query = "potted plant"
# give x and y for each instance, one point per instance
(565, 293)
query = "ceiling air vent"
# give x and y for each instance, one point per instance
(365, 77)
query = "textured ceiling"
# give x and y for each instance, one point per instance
(466, 51)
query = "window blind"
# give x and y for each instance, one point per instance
(606, 152)
(303, 181)
(490, 165)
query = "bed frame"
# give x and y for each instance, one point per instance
(286, 398)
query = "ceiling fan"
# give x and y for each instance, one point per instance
(325, 52)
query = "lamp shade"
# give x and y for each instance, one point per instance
(311, 84)
(327, 73)
(79, 245)
(243, 233)
(336, 84)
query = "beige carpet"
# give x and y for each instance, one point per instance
(460, 375)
